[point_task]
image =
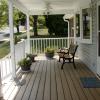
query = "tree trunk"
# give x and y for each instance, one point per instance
(17, 27)
(35, 17)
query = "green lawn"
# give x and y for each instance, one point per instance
(4, 49)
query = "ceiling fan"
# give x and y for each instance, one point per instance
(47, 8)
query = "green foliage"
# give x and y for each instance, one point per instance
(49, 50)
(16, 39)
(4, 49)
(41, 22)
(29, 55)
(18, 33)
(26, 62)
(56, 25)
(3, 13)
(19, 17)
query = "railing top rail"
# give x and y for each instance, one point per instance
(7, 56)
(50, 38)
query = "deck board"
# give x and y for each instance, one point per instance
(76, 83)
(60, 90)
(48, 82)
(73, 90)
(31, 83)
(36, 83)
(40, 93)
(53, 82)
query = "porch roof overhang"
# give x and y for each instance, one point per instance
(43, 7)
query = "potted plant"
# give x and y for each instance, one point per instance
(25, 64)
(49, 52)
(31, 56)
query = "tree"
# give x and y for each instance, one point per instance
(35, 17)
(19, 19)
(3, 13)
(41, 22)
(56, 25)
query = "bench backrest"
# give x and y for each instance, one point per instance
(72, 49)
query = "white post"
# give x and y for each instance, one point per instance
(74, 29)
(68, 34)
(68, 41)
(11, 26)
(0, 85)
(28, 35)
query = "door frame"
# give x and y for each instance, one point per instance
(98, 57)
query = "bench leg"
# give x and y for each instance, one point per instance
(69, 60)
(63, 63)
(74, 64)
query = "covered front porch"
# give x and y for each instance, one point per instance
(47, 81)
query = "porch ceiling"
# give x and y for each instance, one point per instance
(41, 7)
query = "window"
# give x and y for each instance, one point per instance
(86, 25)
(77, 25)
(98, 30)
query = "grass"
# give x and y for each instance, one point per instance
(4, 49)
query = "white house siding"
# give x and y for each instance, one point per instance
(88, 52)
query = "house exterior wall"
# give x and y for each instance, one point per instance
(88, 52)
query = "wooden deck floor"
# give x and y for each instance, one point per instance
(48, 82)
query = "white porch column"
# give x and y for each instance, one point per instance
(68, 34)
(74, 29)
(28, 35)
(11, 26)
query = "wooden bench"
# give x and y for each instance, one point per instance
(68, 55)
(61, 52)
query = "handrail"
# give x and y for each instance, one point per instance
(38, 45)
(52, 38)
(5, 63)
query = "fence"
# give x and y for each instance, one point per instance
(38, 45)
(5, 67)
(5, 63)
(19, 52)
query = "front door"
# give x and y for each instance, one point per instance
(98, 36)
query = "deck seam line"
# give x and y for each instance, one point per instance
(56, 79)
(44, 81)
(61, 80)
(34, 80)
(39, 81)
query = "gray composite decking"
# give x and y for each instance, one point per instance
(48, 82)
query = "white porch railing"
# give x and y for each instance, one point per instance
(38, 45)
(5, 67)
(19, 52)
(5, 63)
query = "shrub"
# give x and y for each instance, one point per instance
(16, 39)
(26, 62)
(49, 50)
